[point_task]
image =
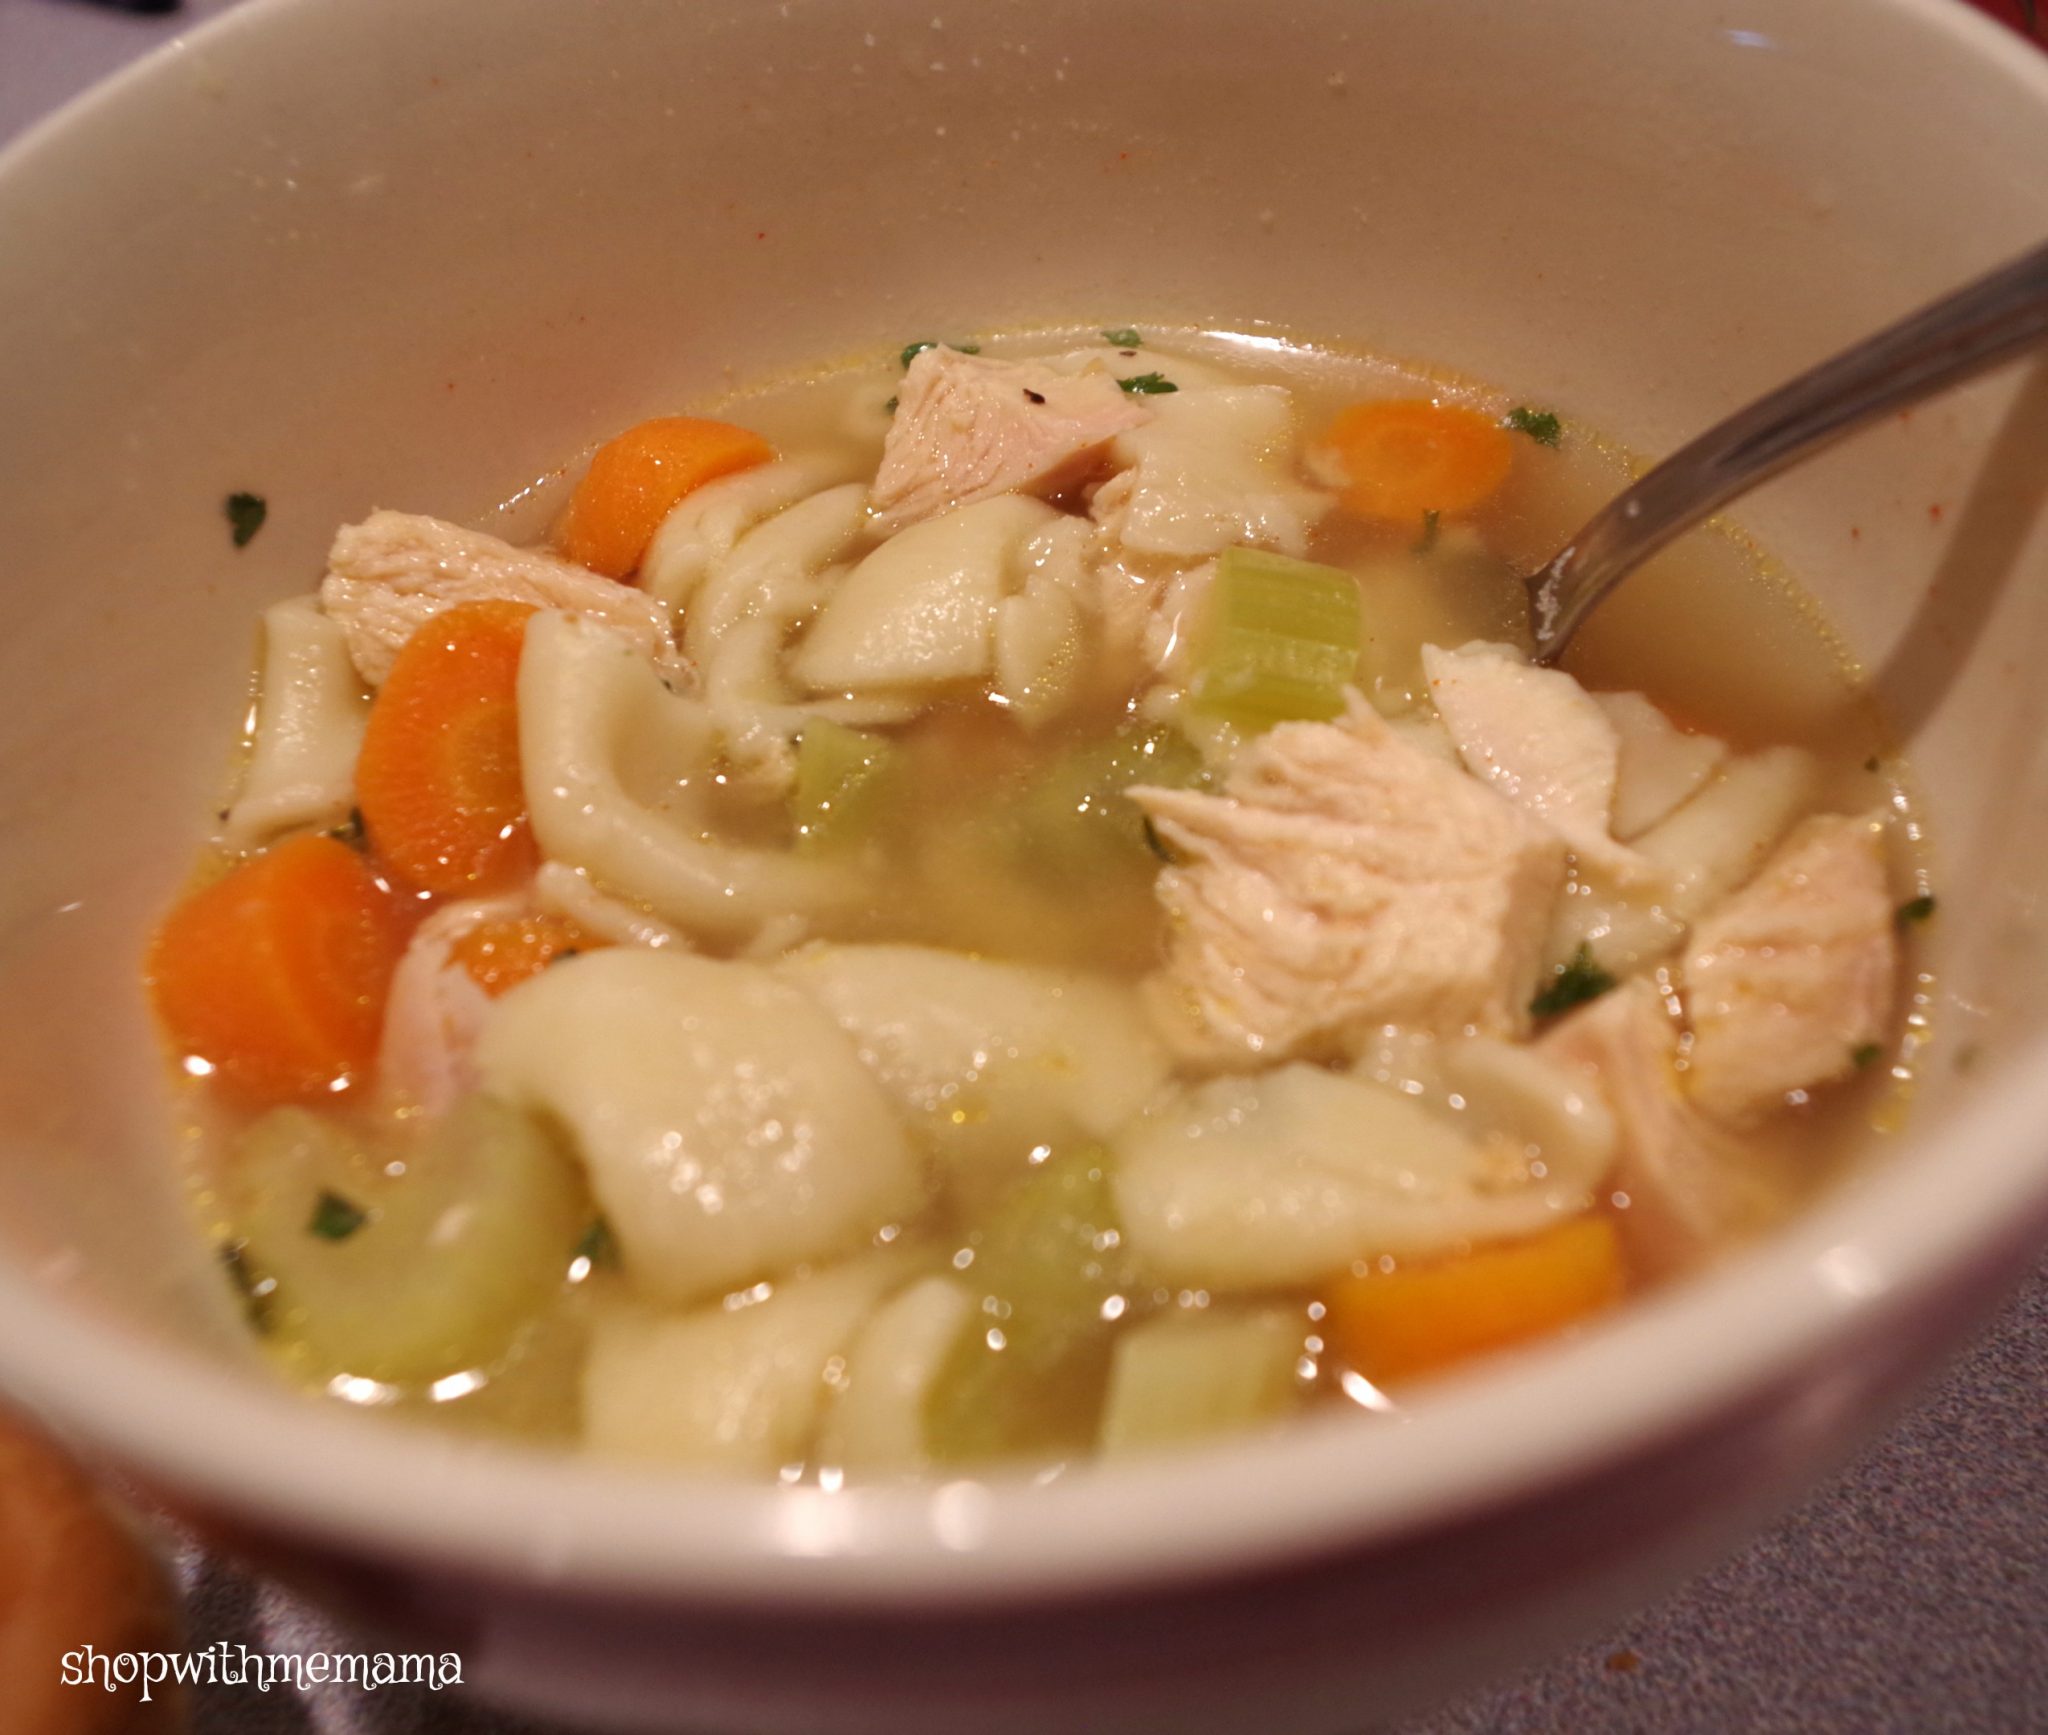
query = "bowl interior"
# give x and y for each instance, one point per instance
(372, 254)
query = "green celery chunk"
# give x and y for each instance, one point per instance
(1074, 818)
(441, 1266)
(1178, 1380)
(1280, 640)
(842, 779)
(1026, 1378)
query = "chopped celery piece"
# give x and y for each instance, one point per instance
(1050, 1274)
(1176, 1380)
(842, 776)
(1075, 819)
(447, 1260)
(1280, 640)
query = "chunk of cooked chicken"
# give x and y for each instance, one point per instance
(1535, 735)
(1792, 975)
(434, 1011)
(1348, 877)
(1687, 1182)
(968, 428)
(390, 574)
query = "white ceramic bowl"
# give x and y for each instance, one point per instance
(381, 253)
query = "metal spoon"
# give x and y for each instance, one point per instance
(1963, 334)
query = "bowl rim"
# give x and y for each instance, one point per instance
(230, 1445)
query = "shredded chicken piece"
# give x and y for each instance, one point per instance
(1539, 738)
(1794, 975)
(390, 574)
(968, 428)
(1346, 878)
(434, 1012)
(1687, 1182)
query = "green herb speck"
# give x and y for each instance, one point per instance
(1540, 425)
(1148, 384)
(1124, 337)
(1916, 909)
(889, 409)
(1866, 1055)
(246, 513)
(350, 830)
(251, 1287)
(1577, 982)
(335, 1218)
(599, 1246)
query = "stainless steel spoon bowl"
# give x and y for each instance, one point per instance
(1951, 340)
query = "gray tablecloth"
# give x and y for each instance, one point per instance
(1910, 1595)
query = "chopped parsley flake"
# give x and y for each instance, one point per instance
(1577, 982)
(1431, 519)
(1124, 337)
(335, 1218)
(1540, 425)
(251, 1286)
(246, 513)
(1866, 1055)
(350, 830)
(599, 1246)
(889, 409)
(1916, 909)
(1148, 384)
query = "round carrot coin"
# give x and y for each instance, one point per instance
(635, 480)
(1406, 457)
(272, 979)
(438, 779)
(501, 954)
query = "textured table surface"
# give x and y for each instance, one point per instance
(1909, 1595)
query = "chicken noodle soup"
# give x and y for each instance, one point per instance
(1004, 903)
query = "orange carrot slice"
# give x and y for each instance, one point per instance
(1423, 1317)
(634, 480)
(437, 780)
(503, 953)
(274, 976)
(1403, 458)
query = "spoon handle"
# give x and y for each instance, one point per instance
(1978, 326)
